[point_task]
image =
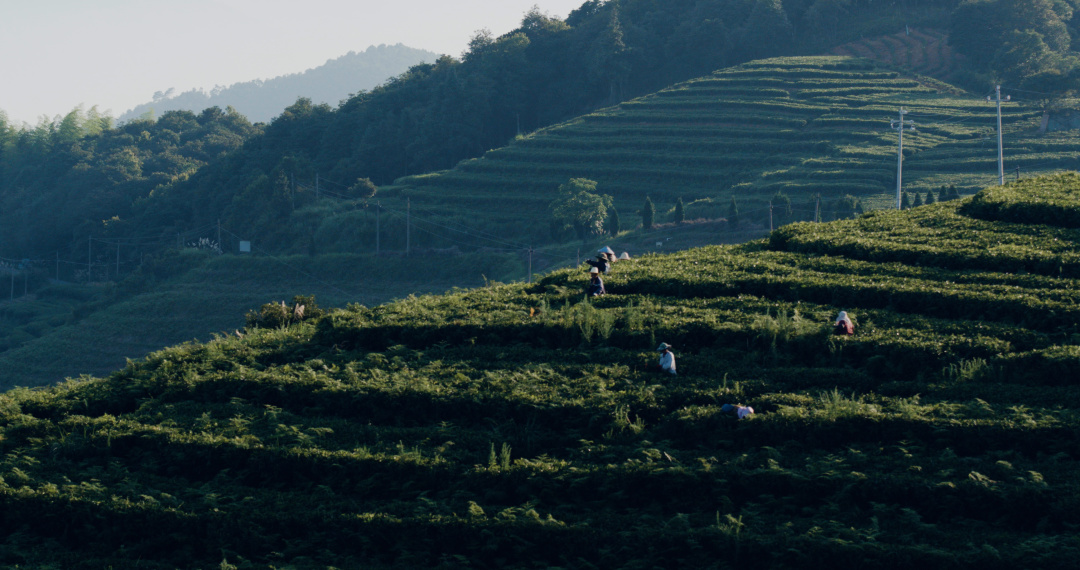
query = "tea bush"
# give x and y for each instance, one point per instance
(525, 425)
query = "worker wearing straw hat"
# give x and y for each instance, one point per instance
(596, 284)
(667, 358)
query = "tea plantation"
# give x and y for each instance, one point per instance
(803, 126)
(520, 426)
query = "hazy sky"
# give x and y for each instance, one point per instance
(56, 54)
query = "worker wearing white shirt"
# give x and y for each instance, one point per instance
(667, 358)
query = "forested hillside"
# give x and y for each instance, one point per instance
(263, 99)
(82, 177)
(439, 113)
(518, 426)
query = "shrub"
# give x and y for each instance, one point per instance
(278, 315)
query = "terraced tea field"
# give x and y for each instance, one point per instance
(924, 51)
(802, 126)
(520, 426)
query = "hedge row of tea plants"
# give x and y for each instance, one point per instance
(1052, 200)
(802, 126)
(523, 425)
(941, 235)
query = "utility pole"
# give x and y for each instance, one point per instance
(899, 125)
(408, 214)
(1018, 173)
(770, 216)
(1001, 161)
(817, 210)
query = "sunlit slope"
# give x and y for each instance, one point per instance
(520, 426)
(802, 126)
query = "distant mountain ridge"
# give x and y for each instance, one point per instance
(262, 100)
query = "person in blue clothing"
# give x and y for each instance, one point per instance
(596, 284)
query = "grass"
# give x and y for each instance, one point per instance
(212, 297)
(520, 425)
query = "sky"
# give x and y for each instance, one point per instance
(58, 54)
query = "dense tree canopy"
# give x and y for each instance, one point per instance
(62, 178)
(1022, 43)
(580, 207)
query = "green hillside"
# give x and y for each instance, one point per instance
(802, 126)
(924, 51)
(516, 426)
(66, 330)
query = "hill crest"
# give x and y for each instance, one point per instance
(261, 100)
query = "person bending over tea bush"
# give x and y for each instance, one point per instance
(739, 410)
(602, 263)
(843, 324)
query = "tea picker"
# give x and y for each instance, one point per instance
(667, 358)
(843, 325)
(608, 253)
(739, 410)
(596, 284)
(602, 264)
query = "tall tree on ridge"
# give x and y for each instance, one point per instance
(648, 214)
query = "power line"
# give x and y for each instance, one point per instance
(290, 266)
